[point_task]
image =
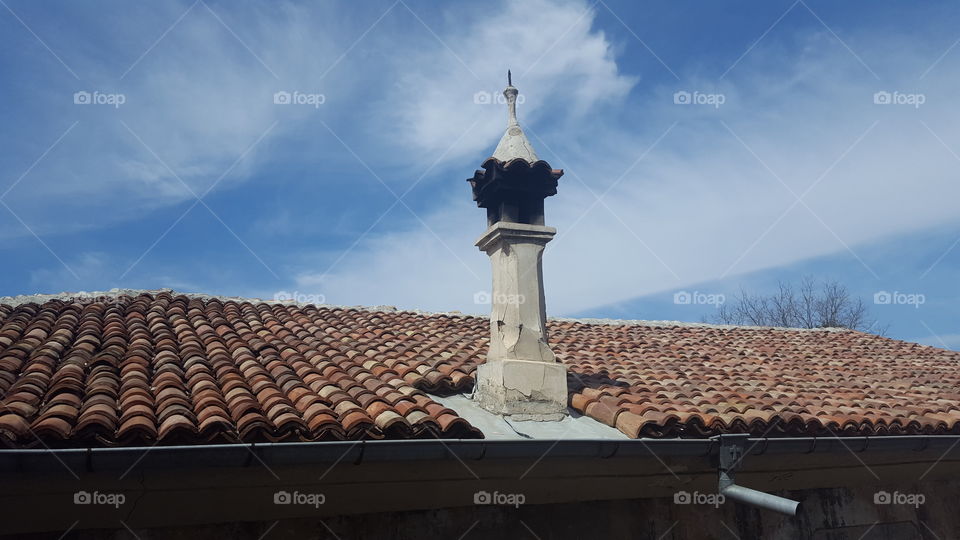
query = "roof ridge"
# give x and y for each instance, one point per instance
(92, 296)
(662, 323)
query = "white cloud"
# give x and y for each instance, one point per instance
(700, 200)
(433, 101)
(411, 268)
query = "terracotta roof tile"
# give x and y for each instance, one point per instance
(185, 370)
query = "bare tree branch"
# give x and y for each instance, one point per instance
(808, 305)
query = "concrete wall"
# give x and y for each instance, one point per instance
(826, 514)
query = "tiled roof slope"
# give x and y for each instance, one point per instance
(135, 369)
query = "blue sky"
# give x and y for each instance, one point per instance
(787, 165)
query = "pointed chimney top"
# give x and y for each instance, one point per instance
(513, 144)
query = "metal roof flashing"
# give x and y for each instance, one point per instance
(496, 427)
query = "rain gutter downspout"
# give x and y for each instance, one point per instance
(733, 448)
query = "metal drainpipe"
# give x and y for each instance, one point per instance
(732, 451)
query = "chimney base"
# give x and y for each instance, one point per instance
(523, 389)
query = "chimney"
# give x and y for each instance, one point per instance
(521, 377)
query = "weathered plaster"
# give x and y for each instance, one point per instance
(523, 389)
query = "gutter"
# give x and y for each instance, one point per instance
(356, 452)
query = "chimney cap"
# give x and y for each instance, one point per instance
(514, 144)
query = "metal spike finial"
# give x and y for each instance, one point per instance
(509, 79)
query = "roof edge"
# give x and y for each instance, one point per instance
(20, 459)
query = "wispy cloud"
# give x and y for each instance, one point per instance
(196, 96)
(570, 68)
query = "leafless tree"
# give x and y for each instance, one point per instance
(808, 305)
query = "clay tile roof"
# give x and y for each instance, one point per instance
(171, 369)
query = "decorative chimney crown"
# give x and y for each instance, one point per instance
(514, 181)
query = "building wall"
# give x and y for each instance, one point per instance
(826, 514)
